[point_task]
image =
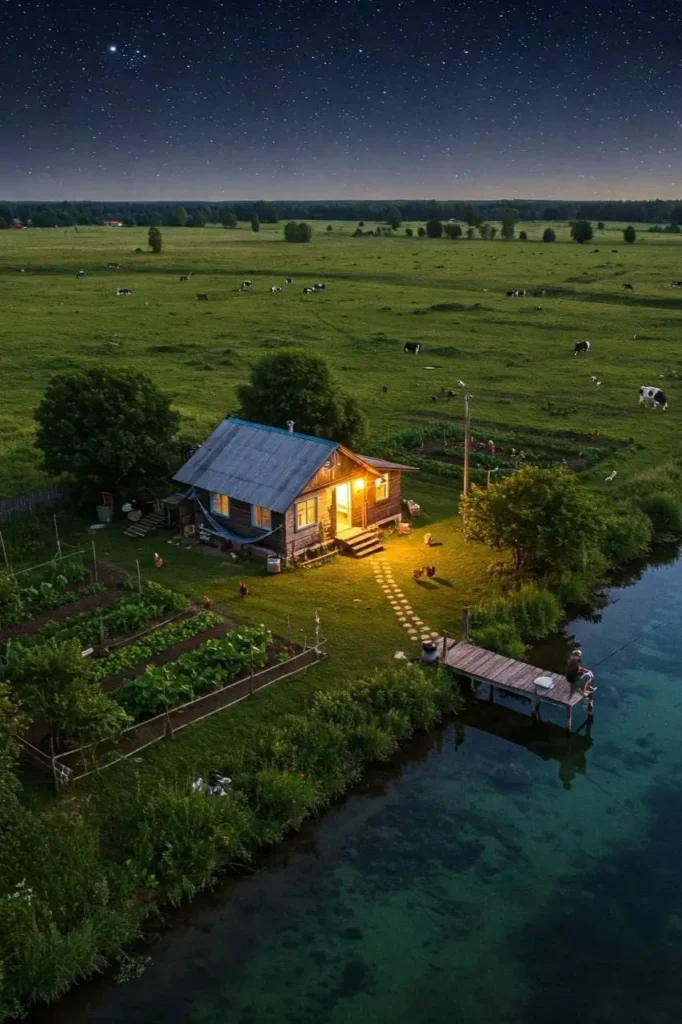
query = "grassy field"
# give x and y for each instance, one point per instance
(380, 292)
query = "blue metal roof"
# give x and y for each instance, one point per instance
(260, 465)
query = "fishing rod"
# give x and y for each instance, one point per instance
(629, 643)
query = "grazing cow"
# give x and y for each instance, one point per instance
(202, 296)
(614, 250)
(516, 293)
(81, 273)
(653, 397)
(185, 277)
(676, 284)
(247, 284)
(581, 346)
(123, 291)
(595, 250)
(413, 347)
(308, 291)
(275, 288)
(627, 287)
(288, 280)
(318, 287)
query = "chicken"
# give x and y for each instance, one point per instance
(243, 590)
(158, 560)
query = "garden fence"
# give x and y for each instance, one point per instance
(77, 764)
(56, 496)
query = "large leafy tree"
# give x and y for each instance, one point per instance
(154, 239)
(543, 516)
(298, 385)
(434, 228)
(630, 235)
(392, 215)
(294, 232)
(56, 687)
(227, 217)
(509, 218)
(111, 431)
(581, 231)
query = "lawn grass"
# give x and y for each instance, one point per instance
(380, 292)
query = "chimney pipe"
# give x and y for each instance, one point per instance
(290, 426)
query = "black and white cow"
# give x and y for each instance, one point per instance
(516, 293)
(676, 284)
(413, 347)
(581, 346)
(247, 284)
(123, 291)
(185, 277)
(288, 280)
(318, 287)
(275, 288)
(653, 396)
(627, 287)
(81, 273)
(308, 291)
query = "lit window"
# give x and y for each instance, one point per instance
(306, 513)
(220, 504)
(381, 486)
(261, 517)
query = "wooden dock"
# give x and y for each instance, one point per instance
(507, 676)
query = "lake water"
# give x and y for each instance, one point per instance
(493, 872)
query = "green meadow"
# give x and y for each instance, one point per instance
(380, 292)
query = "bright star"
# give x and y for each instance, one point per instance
(112, 49)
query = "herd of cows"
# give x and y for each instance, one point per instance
(648, 394)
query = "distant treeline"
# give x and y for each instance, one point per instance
(195, 214)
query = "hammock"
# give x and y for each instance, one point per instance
(220, 531)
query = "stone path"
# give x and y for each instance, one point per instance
(414, 627)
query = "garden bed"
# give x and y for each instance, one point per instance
(107, 575)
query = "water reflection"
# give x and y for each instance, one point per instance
(493, 871)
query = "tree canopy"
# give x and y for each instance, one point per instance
(108, 431)
(453, 230)
(298, 385)
(630, 235)
(154, 239)
(544, 516)
(392, 215)
(178, 217)
(581, 231)
(509, 218)
(228, 217)
(255, 222)
(549, 235)
(434, 228)
(294, 232)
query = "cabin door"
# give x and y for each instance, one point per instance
(344, 512)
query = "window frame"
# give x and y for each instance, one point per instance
(386, 483)
(219, 511)
(254, 517)
(306, 502)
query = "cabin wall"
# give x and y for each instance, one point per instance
(298, 541)
(239, 521)
(342, 469)
(378, 511)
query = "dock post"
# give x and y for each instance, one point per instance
(491, 695)
(536, 710)
(445, 649)
(569, 717)
(465, 623)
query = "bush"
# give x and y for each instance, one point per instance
(628, 535)
(533, 612)
(581, 231)
(434, 228)
(502, 638)
(294, 232)
(523, 236)
(664, 513)
(630, 235)
(548, 235)
(409, 232)
(421, 232)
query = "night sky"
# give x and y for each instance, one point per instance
(340, 99)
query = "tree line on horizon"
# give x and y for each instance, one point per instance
(198, 214)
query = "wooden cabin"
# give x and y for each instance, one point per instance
(278, 491)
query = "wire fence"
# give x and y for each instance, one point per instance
(77, 764)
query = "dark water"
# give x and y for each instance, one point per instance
(494, 872)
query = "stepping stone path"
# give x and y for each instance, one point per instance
(414, 627)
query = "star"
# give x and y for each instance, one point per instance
(113, 49)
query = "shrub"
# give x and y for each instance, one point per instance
(409, 232)
(421, 232)
(523, 236)
(664, 512)
(627, 536)
(533, 612)
(581, 231)
(549, 235)
(630, 235)
(502, 638)
(453, 230)
(434, 228)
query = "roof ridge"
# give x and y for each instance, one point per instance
(281, 430)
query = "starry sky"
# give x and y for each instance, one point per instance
(322, 99)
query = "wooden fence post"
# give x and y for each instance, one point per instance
(465, 622)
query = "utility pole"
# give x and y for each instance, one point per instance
(467, 431)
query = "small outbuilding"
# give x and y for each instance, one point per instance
(275, 490)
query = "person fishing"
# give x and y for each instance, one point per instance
(579, 677)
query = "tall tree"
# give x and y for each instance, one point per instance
(484, 231)
(544, 516)
(255, 222)
(630, 235)
(509, 218)
(178, 216)
(298, 385)
(392, 215)
(453, 230)
(581, 231)
(434, 228)
(154, 239)
(227, 217)
(548, 235)
(108, 431)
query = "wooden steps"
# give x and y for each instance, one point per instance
(152, 521)
(360, 543)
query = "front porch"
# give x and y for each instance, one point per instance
(359, 541)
